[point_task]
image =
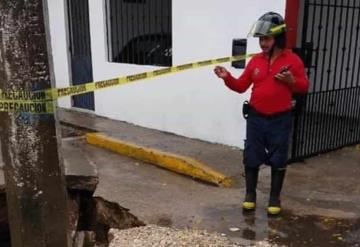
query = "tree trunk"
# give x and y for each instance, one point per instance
(34, 176)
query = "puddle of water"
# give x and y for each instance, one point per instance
(291, 230)
(288, 229)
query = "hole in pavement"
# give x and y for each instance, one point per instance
(90, 219)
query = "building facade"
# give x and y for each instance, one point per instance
(103, 39)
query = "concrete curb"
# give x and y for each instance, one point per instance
(177, 163)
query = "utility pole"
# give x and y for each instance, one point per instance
(34, 174)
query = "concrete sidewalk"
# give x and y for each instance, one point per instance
(213, 163)
(320, 199)
(331, 176)
(320, 194)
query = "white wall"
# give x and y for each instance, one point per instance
(192, 103)
(59, 46)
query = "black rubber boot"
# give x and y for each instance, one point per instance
(277, 180)
(251, 179)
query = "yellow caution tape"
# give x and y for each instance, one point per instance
(41, 101)
(32, 107)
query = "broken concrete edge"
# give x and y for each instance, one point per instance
(82, 183)
(174, 162)
(73, 183)
(77, 126)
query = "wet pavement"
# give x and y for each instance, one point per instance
(320, 199)
(290, 229)
(322, 216)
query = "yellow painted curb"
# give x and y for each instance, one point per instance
(177, 163)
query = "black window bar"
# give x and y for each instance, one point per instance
(330, 116)
(140, 31)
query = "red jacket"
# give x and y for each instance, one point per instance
(270, 95)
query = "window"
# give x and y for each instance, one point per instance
(139, 31)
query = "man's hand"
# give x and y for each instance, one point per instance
(221, 72)
(287, 78)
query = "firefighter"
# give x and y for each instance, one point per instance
(274, 74)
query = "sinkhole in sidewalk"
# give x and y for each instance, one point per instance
(90, 219)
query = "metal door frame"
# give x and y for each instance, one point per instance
(79, 43)
(329, 117)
